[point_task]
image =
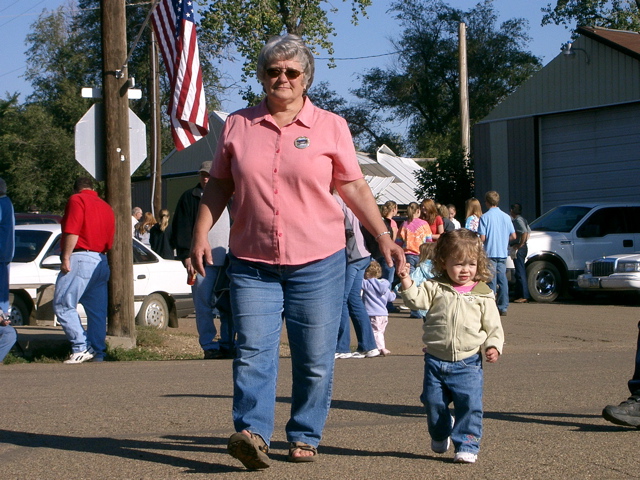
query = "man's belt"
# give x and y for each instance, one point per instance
(75, 250)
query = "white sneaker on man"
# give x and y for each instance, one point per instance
(80, 357)
(343, 355)
(465, 457)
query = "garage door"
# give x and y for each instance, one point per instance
(590, 155)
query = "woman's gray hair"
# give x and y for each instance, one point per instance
(3, 187)
(287, 47)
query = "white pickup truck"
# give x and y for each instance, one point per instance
(566, 237)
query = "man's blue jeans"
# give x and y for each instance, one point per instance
(353, 307)
(522, 289)
(8, 337)
(86, 283)
(308, 296)
(634, 383)
(4, 287)
(461, 383)
(499, 283)
(206, 306)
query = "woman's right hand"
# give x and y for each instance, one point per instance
(200, 256)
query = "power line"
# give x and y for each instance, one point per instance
(360, 58)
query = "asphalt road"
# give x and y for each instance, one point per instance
(164, 420)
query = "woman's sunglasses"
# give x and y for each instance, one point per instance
(290, 73)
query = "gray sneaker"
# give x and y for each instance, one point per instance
(627, 413)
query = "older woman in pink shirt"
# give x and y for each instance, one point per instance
(280, 160)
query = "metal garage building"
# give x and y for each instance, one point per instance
(570, 133)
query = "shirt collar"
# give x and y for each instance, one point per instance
(304, 117)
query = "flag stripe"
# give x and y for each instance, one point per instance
(176, 32)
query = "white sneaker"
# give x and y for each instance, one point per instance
(357, 355)
(441, 446)
(343, 355)
(465, 457)
(372, 353)
(80, 357)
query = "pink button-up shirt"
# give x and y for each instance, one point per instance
(283, 209)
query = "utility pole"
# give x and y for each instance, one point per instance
(115, 85)
(155, 138)
(464, 92)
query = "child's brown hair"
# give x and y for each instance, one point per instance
(374, 270)
(426, 251)
(461, 244)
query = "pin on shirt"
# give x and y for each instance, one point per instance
(301, 142)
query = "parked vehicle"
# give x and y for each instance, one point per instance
(614, 273)
(161, 293)
(565, 238)
(36, 218)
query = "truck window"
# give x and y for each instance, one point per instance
(606, 221)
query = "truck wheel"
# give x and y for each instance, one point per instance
(544, 281)
(18, 311)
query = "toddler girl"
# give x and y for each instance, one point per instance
(462, 319)
(376, 293)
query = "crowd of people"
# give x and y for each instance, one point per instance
(282, 228)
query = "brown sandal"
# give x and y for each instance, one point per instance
(251, 451)
(293, 446)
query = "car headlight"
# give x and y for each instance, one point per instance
(587, 267)
(626, 267)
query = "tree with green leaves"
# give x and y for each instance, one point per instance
(36, 156)
(422, 88)
(616, 14)
(369, 131)
(230, 27)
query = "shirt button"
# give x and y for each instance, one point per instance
(277, 212)
(275, 191)
(279, 234)
(275, 170)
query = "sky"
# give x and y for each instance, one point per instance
(365, 45)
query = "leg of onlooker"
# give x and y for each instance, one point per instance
(70, 287)
(8, 337)
(357, 312)
(95, 302)
(204, 304)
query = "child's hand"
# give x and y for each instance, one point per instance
(405, 272)
(491, 354)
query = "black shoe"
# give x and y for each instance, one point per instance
(221, 354)
(503, 313)
(627, 413)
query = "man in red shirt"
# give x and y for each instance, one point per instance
(88, 227)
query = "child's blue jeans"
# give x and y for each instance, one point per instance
(461, 383)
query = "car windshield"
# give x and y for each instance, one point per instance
(28, 244)
(559, 219)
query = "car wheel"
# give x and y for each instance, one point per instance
(18, 311)
(544, 281)
(154, 312)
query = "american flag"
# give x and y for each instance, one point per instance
(176, 31)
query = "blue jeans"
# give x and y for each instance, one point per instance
(412, 260)
(634, 383)
(261, 294)
(522, 289)
(352, 306)
(4, 288)
(8, 337)
(499, 283)
(86, 284)
(461, 383)
(207, 305)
